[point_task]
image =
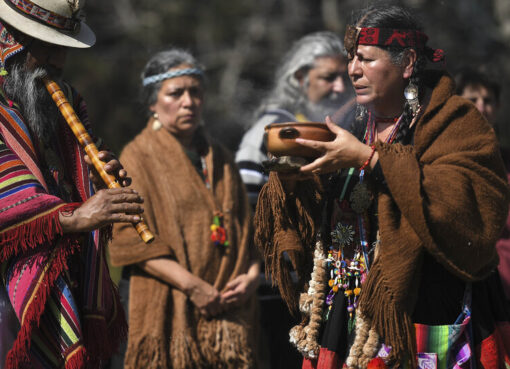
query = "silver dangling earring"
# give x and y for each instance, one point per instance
(156, 124)
(411, 95)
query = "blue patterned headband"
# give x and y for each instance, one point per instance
(172, 74)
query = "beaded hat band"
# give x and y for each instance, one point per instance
(57, 22)
(172, 74)
(48, 17)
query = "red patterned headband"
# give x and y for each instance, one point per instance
(45, 16)
(389, 37)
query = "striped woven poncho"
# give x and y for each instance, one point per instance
(58, 284)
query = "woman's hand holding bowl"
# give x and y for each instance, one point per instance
(345, 151)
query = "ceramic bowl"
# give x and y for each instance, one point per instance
(281, 138)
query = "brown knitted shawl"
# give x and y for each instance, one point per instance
(447, 195)
(165, 329)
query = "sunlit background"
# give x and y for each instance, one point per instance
(240, 42)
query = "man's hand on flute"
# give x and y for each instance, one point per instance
(107, 205)
(112, 167)
(114, 205)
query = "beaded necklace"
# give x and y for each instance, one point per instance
(218, 231)
(348, 275)
(370, 133)
(205, 173)
(370, 140)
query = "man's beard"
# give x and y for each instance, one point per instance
(318, 111)
(329, 105)
(26, 88)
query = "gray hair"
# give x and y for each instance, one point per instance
(24, 86)
(287, 92)
(161, 62)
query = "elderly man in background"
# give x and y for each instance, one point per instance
(53, 228)
(310, 84)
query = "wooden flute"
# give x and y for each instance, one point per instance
(88, 145)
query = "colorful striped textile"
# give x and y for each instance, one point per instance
(443, 346)
(58, 284)
(447, 346)
(60, 311)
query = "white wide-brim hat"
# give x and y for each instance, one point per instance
(57, 22)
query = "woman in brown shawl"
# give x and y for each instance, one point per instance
(191, 300)
(402, 234)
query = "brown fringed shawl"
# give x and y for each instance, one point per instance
(165, 330)
(447, 196)
(288, 224)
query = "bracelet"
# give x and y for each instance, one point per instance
(369, 159)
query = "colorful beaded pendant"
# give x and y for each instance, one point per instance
(218, 232)
(345, 275)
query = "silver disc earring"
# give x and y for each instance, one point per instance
(411, 95)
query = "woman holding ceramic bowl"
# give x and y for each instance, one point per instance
(392, 229)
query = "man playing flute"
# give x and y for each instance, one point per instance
(55, 215)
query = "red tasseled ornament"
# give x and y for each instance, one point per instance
(377, 363)
(219, 236)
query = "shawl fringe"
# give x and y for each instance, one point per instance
(18, 356)
(184, 352)
(219, 344)
(389, 320)
(146, 354)
(288, 225)
(225, 344)
(29, 235)
(78, 360)
(277, 268)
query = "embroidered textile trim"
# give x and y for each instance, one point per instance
(9, 46)
(389, 37)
